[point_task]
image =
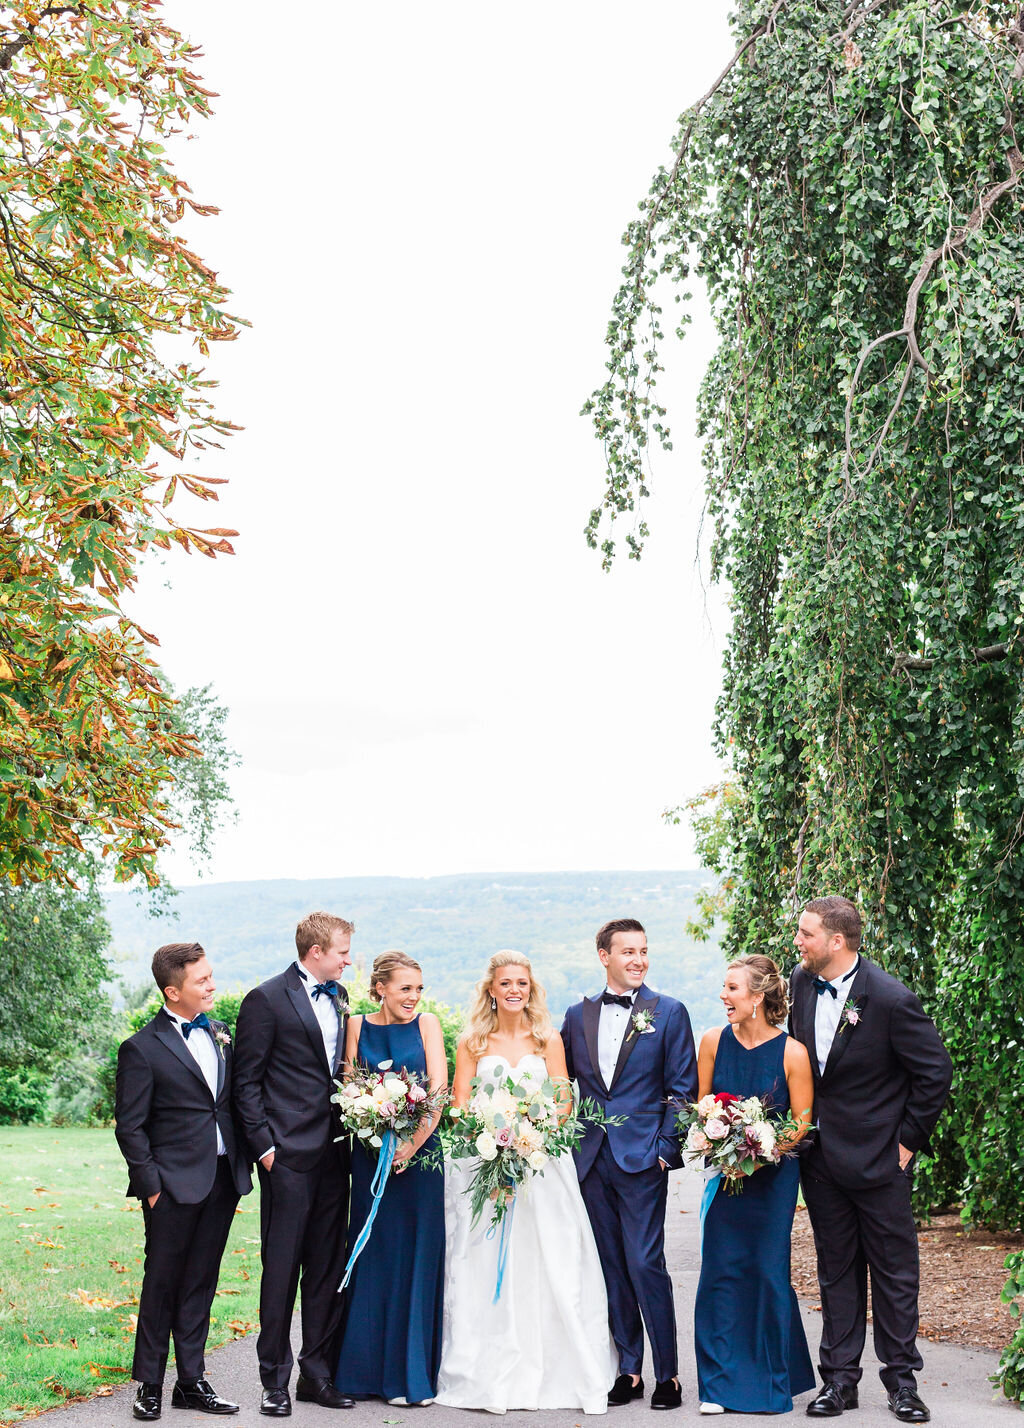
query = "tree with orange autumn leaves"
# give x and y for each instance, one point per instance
(103, 408)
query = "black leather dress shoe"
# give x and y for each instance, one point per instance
(624, 1390)
(147, 1402)
(276, 1403)
(197, 1393)
(667, 1395)
(322, 1391)
(834, 1398)
(907, 1407)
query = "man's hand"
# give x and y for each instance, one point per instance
(906, 1156)
(153, 1198)
(267, 1161)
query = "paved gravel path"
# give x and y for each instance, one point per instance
(954, 1383)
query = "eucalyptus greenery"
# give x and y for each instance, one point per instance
(849, 192)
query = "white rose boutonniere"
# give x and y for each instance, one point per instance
(223, 1038)
(641, 1024)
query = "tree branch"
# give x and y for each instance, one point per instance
(11, 48)
(988, 654)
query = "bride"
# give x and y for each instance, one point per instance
(551, 1318)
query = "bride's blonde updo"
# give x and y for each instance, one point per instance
(765, 979)
(481, 1021)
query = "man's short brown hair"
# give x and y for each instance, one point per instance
(619, 924)
(169, 963)
(316, 930)
(839, 914)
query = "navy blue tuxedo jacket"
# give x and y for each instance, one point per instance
(656, 1073)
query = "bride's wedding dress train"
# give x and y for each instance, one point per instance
(545, 1343)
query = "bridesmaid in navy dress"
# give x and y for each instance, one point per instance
(391, 1334)
(751, 1349)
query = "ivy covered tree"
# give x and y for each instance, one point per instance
(102, 409)
(850, 193)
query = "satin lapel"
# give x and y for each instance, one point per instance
(845, 1034)
(810, 1007)
(174, 1041)
(222, 1063)
(591, 1018)
(644, 1002)
(341, 1007)
(300, 1001)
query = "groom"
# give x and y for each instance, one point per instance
(632, 1052)
(881, 1078)
(289, 1045)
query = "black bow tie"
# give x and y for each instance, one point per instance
(820, 985)
(609, 999)
(325, 989)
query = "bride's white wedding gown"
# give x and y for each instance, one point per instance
(546, 1343)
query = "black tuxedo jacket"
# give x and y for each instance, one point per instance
(283, 1083)
(166, 1117)
(884, 1084)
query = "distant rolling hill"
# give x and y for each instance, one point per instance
(450, 924)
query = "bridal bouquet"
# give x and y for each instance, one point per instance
(383, 1108)
(735, 1136)
(512, 1129)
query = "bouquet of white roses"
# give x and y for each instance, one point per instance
(512, 1129)
(735, 1135)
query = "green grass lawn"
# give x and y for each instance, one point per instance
(71, 1268)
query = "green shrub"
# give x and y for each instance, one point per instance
(24, 1095)
(1010, 1374)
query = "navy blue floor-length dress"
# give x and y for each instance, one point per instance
(391, 1336)
(751, 1348)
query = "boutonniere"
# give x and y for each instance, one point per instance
(850, 1015)
(642, 1024)
(223, 1038)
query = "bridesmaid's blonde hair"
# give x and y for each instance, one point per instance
(385, 966)
(481, 1021)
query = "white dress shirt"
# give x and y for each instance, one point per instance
(204, 1050)
(325, 1011)
(611, 1028)
(828, 1013)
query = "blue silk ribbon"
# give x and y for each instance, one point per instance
(503, 1245)
(377, 1187)
(711, 1187)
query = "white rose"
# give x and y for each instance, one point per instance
(537, 1160)
(395, 1088)
(716, 1129)
(706, 1106)
(486, 1148)
(379, 1094)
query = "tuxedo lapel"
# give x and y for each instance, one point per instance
(341, 1006)
(644, 1002)
(300, 1001)
(845, 1034)
(172, 1038)
(591, 1019)
(222, 1063)
(808, 1010)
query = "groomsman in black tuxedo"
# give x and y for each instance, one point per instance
(881, 1078)
(187, 1166)
(290, 1045)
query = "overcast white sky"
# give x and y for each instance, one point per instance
(427, 670)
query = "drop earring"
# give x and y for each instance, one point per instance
(753, 1015)
(494, 1005)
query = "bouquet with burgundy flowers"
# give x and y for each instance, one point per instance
(736, 1135)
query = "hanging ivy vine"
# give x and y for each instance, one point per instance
(849, 192)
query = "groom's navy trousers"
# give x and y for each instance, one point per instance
(627, 1212)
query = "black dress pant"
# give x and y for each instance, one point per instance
(304, 1218)
(184, 1247)
(856, 1231)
